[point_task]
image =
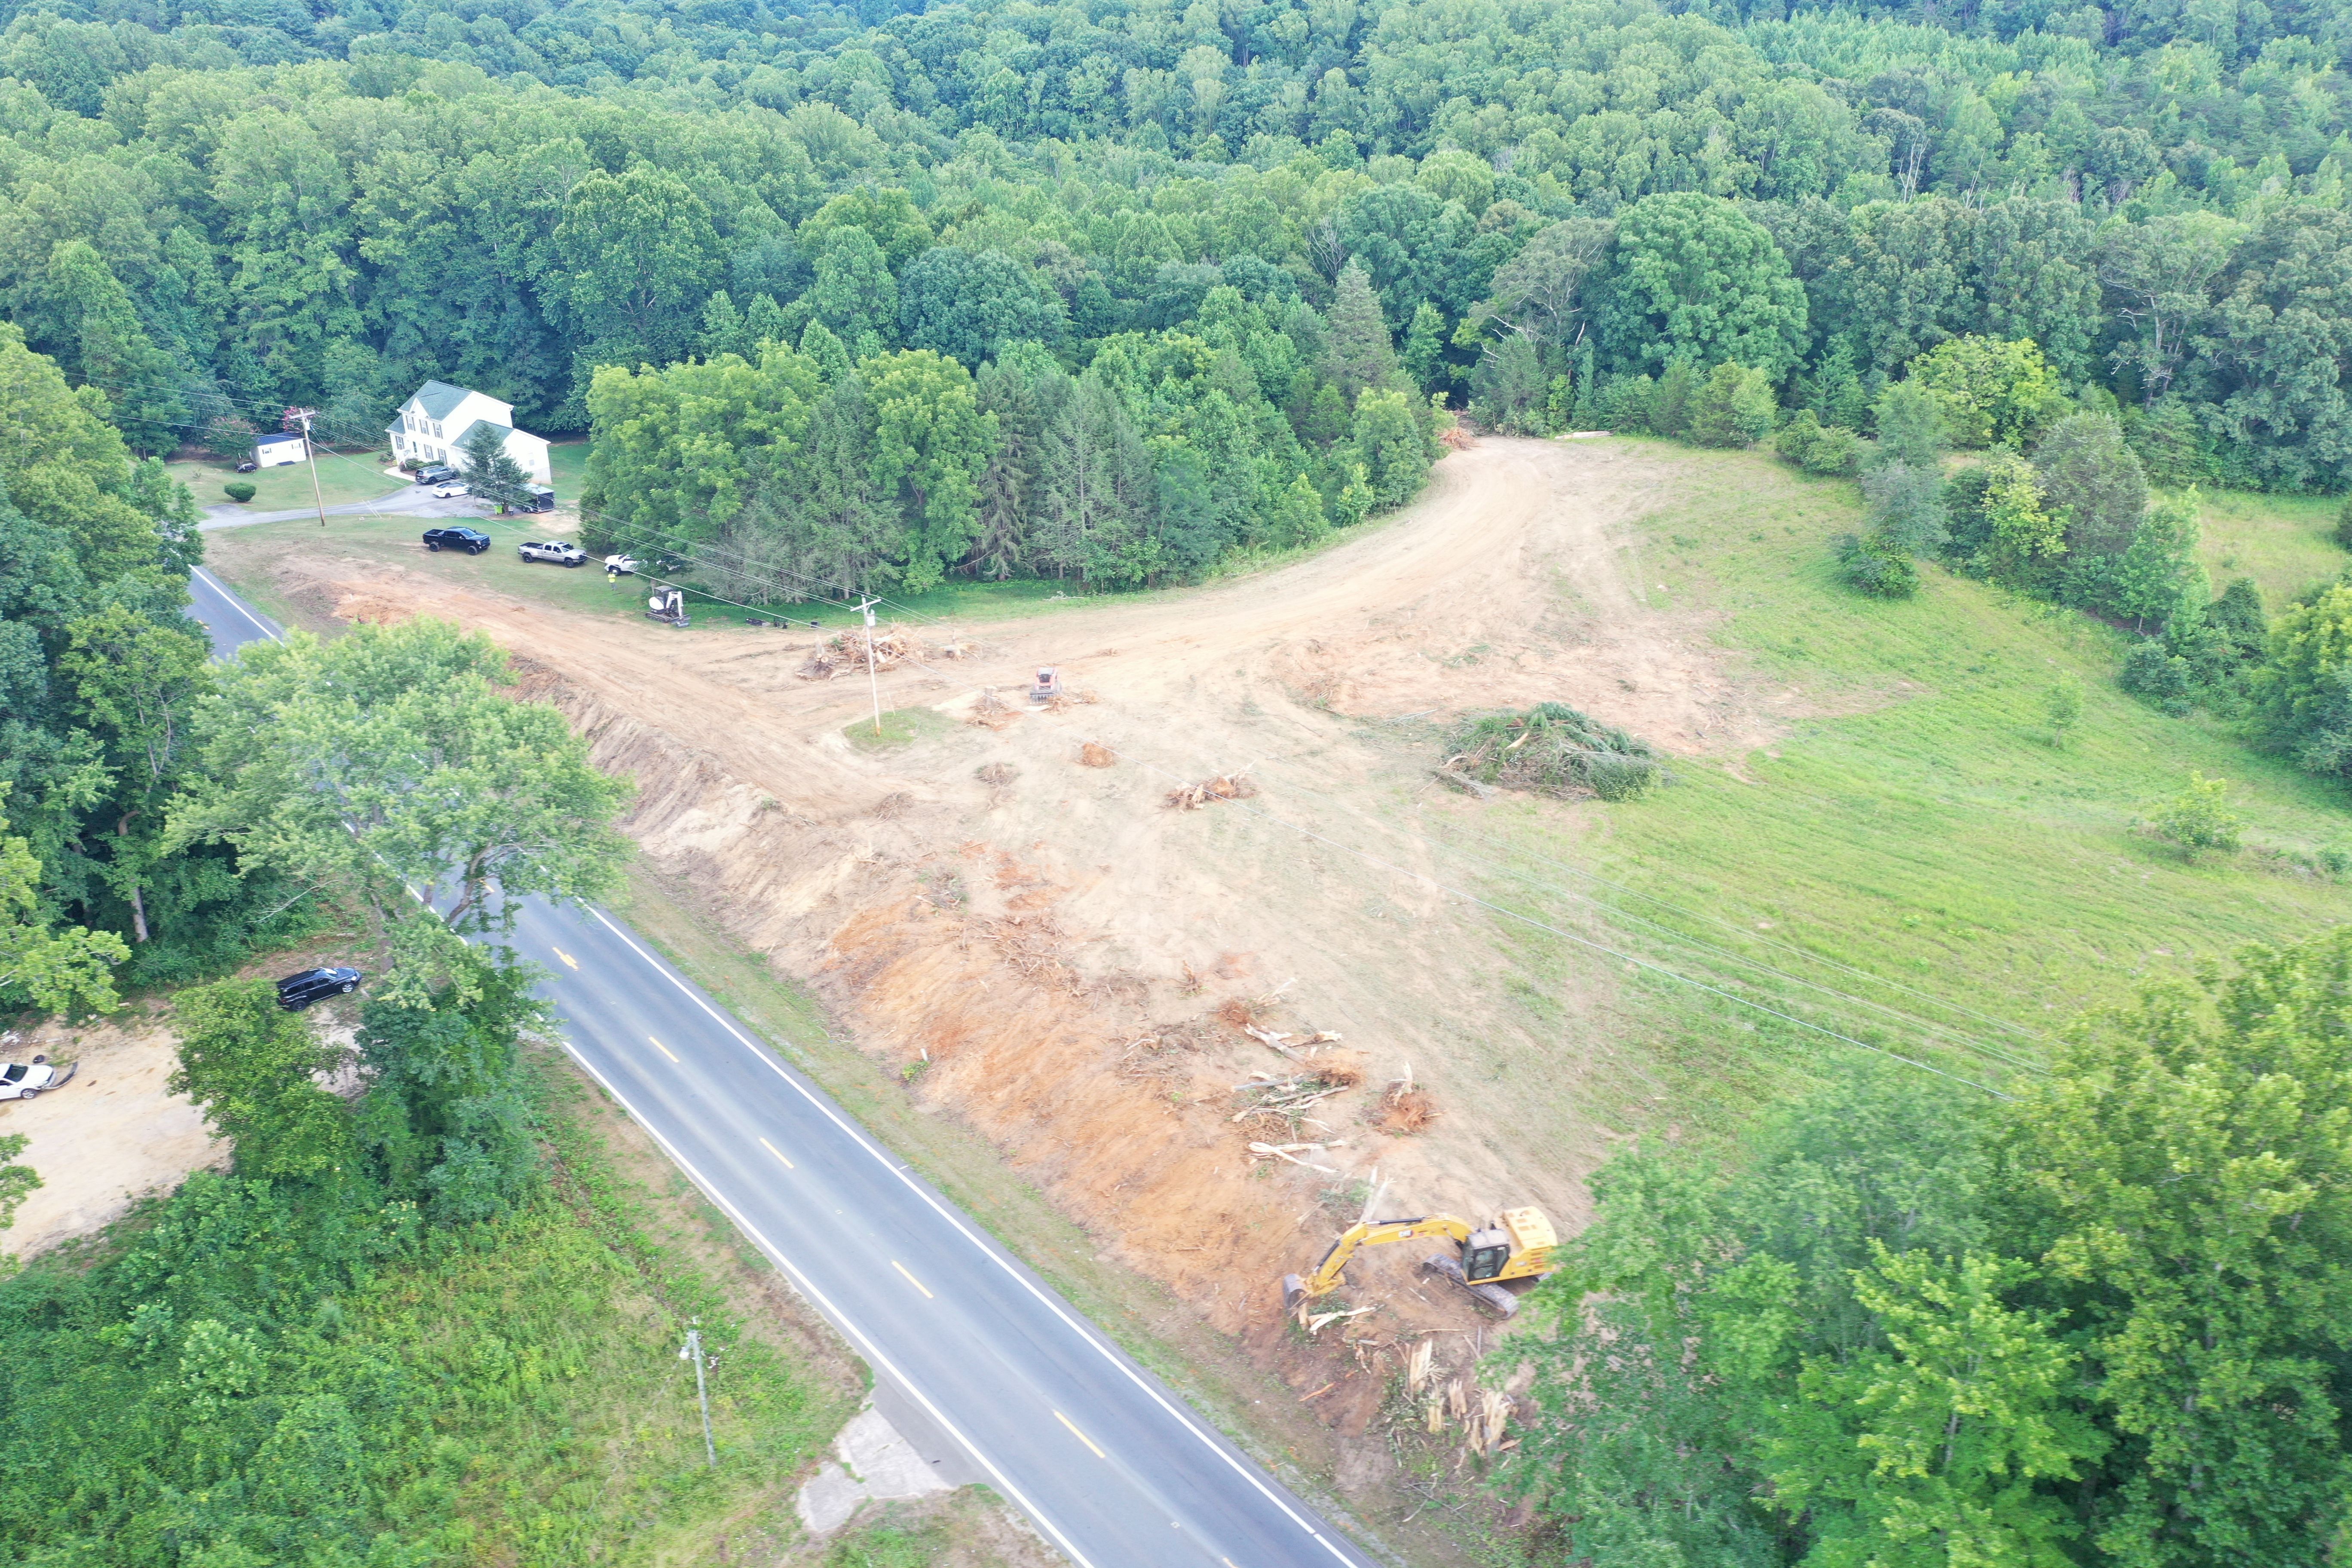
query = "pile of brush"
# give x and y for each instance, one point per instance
(1550, 748)
(846, 651)
(991, 712)
(1224, 786)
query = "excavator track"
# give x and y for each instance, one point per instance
(1491, 1295)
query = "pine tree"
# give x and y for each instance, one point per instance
(1425, 346)
(1298, 516)
(1361, 352)
(490, 474)
(1095, 487)
(1734, 407)
(764, 322)
(818, 342)
(723, 328)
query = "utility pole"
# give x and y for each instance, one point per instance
(701, 1388)
(872, 678)
(310, 452)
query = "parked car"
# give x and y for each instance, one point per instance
(453, 488)
(620, 566)
(248, 467)
(297, 991)
(472, 540)
(23, 1080)
(440, 474)
(562, 551)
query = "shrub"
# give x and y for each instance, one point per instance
(1873, 565)
(1794, 444)
(2062, 703)
(2344, 526)
(238, 490)
(2161, 680)
(1734, 407)
(1552, 749)
(2199, 818)
(1904, 506)
(1836, 452)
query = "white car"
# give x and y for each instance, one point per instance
(620, 566)
(454, 489)
(23, 1080)
(563, 553)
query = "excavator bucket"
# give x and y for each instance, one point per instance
(1492, 1295)
(1293, 1292)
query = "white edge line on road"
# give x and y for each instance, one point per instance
(236, 604)
(1107, 1352)
(808, 1288)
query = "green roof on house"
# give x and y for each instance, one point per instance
(435, 399)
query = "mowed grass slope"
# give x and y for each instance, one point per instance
(1925, 831)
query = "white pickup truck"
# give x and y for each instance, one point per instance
(23, 1080)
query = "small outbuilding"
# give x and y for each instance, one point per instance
(277, 451)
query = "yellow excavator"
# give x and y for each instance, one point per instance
(1517, 1246)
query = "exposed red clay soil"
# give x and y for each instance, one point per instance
(1013, 901)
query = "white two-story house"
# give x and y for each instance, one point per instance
(436, 418)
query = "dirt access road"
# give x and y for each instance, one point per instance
(1045, 948)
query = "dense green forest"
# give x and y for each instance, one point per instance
(217, 210)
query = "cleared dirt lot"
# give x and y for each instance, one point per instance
(109, 1138)
(1055, 955)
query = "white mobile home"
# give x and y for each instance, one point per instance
(276, 451)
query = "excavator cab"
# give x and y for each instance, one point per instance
(1486, 1255)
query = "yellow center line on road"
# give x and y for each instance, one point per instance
(663, 1049)
(779, 1153)
(902, 1269)
(567, 958)
(1081, 1437)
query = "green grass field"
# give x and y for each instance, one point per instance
(2285, 544)
(568, 461)
(342, 477)
(1931, 836)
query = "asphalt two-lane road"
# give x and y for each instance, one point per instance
(1110, 1464)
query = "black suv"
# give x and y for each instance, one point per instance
(297, 991)
(435, 476)
(473, 541)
